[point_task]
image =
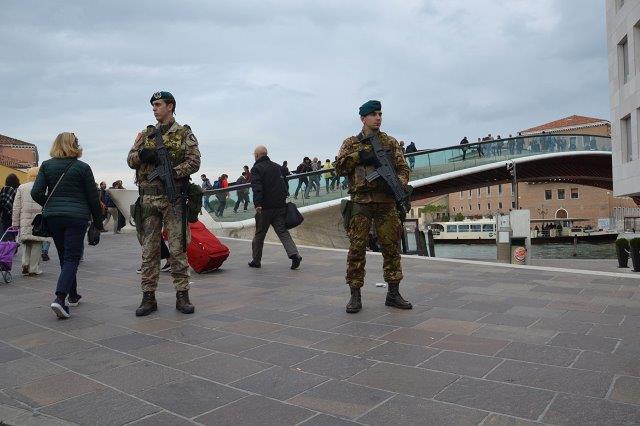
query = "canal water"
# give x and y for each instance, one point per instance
(543, 251)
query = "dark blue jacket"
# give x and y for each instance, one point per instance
(76, 195)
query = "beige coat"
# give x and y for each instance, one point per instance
(24, 210)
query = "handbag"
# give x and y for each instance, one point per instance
(39, 223)
(93, 235)
(293, 216)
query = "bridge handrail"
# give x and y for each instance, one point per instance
(464, 147)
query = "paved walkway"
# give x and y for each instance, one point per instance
(484, 345)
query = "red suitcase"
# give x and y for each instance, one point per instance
(205, 252)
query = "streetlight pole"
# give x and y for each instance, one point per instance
(511, 167)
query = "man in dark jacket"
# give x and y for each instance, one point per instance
(269, 198)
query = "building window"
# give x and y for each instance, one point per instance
(625, 136)
(513, 204)
(488, 190)
(461, 195)
(547, 194)
(500, 205)
(469, 194)
(560, 194)
(454, 209)
(478, 192)
(513, 189)
(500, 189)
(489, 206)
(479, 206)
(574, 194)
(623, 60)
(470, 207)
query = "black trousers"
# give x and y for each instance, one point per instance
(275, 218)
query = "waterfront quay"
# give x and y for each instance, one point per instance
(485, 344)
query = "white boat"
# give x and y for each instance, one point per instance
(465, 232)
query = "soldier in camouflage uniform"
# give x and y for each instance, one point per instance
(371, 203)
(157, 211)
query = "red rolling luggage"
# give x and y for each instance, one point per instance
(205, 252)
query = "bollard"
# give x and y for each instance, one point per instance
(575, 246)
(431, 243)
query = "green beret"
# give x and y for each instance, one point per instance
(369, 107)
(162, 96)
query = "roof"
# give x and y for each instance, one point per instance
(568, 123)
(6, 140)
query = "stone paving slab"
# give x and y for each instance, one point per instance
(483, 345)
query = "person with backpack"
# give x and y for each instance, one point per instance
(304, 167)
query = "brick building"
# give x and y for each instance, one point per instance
(17, 154)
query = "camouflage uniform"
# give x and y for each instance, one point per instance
(157, 211)
(371, 204)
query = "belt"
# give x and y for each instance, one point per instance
(151, 191)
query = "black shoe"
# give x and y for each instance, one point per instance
(395, 299)
(254, 264)
(295, 261)
(148, 304)
(73, 300)
(45, 257)
(61, 310)
(182, 302)
(355, 303)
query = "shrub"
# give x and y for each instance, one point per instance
(634, 243)
(622, 243)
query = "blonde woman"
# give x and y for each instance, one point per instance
(71, 206)
(24, 210)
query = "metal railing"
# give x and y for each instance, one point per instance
(323, 185)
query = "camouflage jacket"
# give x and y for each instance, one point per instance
(183, 153)
(348, 164)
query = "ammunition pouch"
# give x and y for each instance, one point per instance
(194, 202)
(346, 207)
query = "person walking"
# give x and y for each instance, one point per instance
(371, 203)
(206, 186)
(479, 148)
(314, 180)
(411, 148)
(304, 167)
(463, 146)
(222, 196)
(328, 175)
(270, 201)
(25, 210)
(7, 195)
(157, 211)
(66, 189)
(112, 210)
(242, 194)
(284, 169)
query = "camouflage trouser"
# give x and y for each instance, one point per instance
(158, 211)
(385, 218)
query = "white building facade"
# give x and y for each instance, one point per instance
(623, 43)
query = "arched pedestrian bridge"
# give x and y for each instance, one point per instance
(580, 159)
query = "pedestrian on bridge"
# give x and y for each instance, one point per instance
(371, 203)
(464, 142)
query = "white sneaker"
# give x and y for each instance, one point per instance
(139, 271)
(61, 311)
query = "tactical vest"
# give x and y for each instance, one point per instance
(174, 140)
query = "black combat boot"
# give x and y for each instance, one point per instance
(182, 302)
(295, 261)
(148, 304)
(395, 299)
(355, 303)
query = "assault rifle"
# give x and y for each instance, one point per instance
(387, 172)
(164, 172)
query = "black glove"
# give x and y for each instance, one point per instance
(368, 158)
(148, 156)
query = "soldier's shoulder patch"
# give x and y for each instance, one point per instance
(191, 139)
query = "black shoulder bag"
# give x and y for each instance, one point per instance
(40, 228)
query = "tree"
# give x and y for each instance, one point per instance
(459, 217)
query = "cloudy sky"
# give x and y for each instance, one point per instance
(291, 74)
